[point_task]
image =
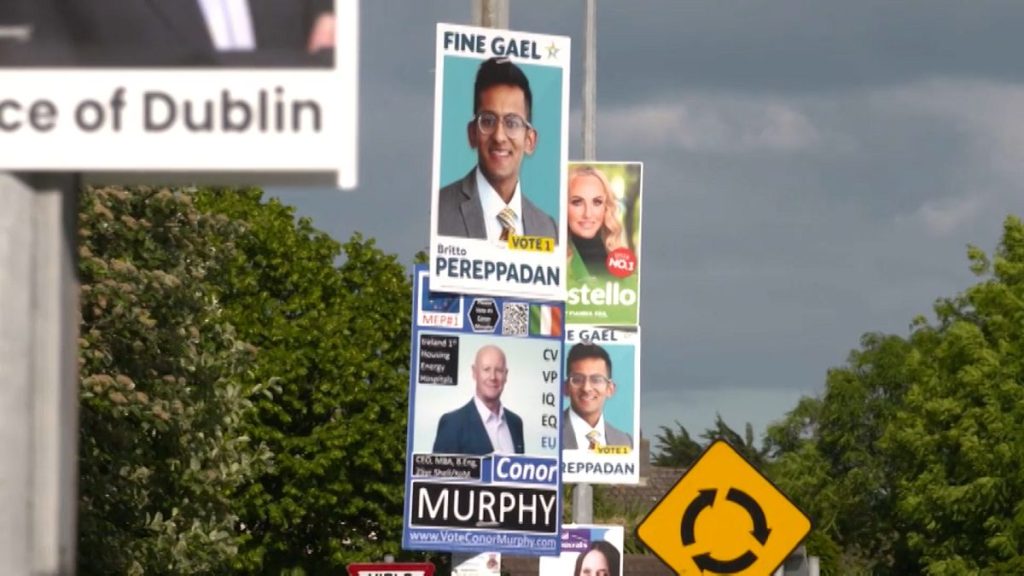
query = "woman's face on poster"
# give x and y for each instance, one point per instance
(594, 564)
(587, 206)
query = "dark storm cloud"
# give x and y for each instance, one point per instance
(813, 171)
(805, 45)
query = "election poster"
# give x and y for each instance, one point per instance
(604, 202)
(501, 112)
(485, 564)
(587, 549)
(483, 464)
(601, 416)
(163, 92)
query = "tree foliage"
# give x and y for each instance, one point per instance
(162, 408)
(676, 448)
(244, 382)
(913, 460)
(746, 445)
(334, 341)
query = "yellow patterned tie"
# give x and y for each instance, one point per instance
(593, 436)
(507, 217)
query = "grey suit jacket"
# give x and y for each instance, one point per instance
(459, 213)
(612, 435)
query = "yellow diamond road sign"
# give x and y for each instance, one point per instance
(723, 517)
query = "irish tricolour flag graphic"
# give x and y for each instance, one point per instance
(545, 320)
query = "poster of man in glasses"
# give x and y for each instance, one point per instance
(601, 419)
(500, 148)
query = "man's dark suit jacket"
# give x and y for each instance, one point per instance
(174, 33)
(462, 432)
(47, 42)
(459, 213)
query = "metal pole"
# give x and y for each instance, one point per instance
(583, 495)
(490, 13)
(590, 82)
(494, 14)
(486, 14)
(39, 394)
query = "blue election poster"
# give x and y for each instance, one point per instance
(483, 463)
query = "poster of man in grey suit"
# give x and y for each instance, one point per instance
(500, 132)
(600, 425)
(500, 149)
(588, 385)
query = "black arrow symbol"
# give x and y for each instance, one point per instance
(706, 562)
(761, 530)
(705, 499)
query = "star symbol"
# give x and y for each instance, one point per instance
(552, 51)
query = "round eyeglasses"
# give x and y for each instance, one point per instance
(596, 380)
(514, 124)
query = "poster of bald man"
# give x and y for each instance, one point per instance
(483, 469)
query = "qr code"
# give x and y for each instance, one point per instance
(516, 319)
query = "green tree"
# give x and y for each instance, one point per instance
(162, 411)
(830, 461)
(334, 342)
(745, 445)
(675, 448)
(913, 460)
(960, 490)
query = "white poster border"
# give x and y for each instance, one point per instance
(531, 266)
(608, 464)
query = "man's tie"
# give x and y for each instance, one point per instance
(594, 437)
(507, 217)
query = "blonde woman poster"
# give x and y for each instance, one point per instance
(603, 248)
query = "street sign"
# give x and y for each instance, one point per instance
(391, 569)
(723, 517)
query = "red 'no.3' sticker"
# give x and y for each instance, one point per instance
(621, 262)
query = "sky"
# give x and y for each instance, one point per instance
(813, 171)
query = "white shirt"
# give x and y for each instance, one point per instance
(580, 429)
(497, 427)
(492, 204)
(229, 23)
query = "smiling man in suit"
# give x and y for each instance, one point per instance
(588, 387)
(488, 202)
(483, 425)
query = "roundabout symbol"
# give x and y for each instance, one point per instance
(719, 491)
(706, 499)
